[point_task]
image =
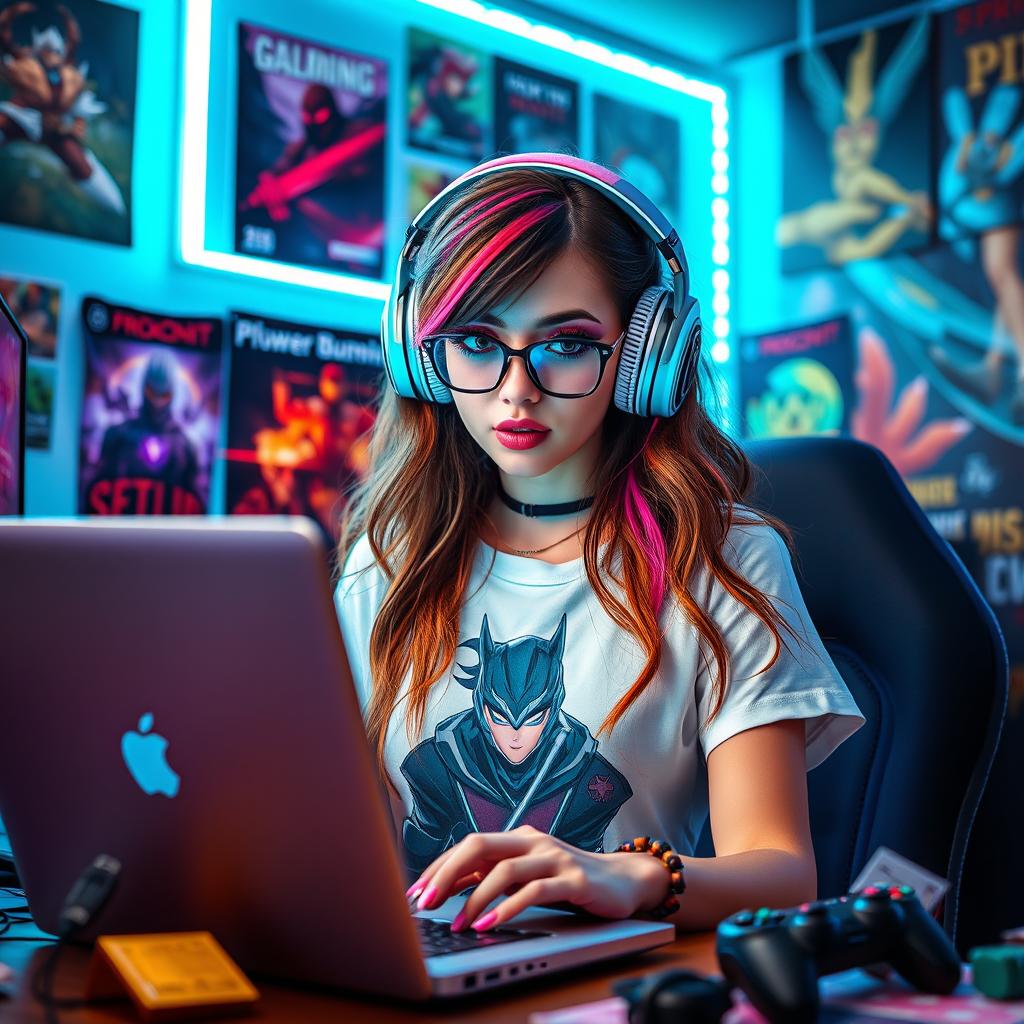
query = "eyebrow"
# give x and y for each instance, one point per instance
(546, 321)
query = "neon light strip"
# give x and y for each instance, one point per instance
(576, 46)
(629, 64)
(195, 128)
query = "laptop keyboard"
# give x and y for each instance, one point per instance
(437, 937)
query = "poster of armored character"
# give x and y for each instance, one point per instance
(643, 145)
(797, 381)
(150, 413)
(448, 91)
(857, 148)
(534, 111)
(302, 401)
(311, 153)
(67, 117)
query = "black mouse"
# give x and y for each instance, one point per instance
(674, 997)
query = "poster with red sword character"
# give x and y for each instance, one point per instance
(309, 186)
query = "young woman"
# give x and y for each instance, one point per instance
(566, 628)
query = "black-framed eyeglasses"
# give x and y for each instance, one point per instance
(564, 366)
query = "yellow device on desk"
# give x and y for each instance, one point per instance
(171, 976)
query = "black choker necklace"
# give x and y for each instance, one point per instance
(562, 509)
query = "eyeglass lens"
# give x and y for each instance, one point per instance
(566, 367)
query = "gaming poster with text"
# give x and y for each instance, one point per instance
(980, 129)
(798, 381)
(302, 401)
(534, 111)
(310, 153)
(920, 329)
(150, 412)
(67, 116)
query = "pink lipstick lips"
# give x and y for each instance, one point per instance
(521, 434)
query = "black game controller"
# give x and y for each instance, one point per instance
(777, 956)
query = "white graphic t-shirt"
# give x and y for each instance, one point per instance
(510, 734)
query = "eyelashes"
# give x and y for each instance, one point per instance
(574, 332)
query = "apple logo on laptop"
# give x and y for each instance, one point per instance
(145, 754)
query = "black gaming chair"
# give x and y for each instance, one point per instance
(916, 643)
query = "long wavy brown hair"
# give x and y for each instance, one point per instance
(665, 489)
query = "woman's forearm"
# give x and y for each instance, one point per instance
(719, 886)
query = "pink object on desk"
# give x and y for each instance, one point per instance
(854, 990)
(604, 1011)
(860, 993)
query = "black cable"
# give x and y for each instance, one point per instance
(90, 893)
(10, 916)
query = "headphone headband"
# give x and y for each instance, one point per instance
(614, 187)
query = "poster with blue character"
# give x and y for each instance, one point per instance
(980, 186)
(856, 159)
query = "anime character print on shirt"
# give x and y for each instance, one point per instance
(513, 758)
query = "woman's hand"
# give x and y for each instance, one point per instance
(531, 867)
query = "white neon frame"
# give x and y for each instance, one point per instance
(192, 215)
(196, 87)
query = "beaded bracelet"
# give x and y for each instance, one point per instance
(676, 872)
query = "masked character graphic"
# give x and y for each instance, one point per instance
(513, 758)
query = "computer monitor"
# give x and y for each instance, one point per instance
(13, 347)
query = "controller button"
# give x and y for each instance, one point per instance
(874, 892)
(743, 918)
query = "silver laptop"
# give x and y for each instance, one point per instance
(175, 693)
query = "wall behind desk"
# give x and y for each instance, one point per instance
(149, 274)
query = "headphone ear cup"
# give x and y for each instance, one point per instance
(660, 355)
(691, 331)
(408, 368)
(634, 365)
(431, 387)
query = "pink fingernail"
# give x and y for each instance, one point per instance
(485, 922)
(414, 890)
(459, 921)
(428, 896)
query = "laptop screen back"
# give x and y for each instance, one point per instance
(13, 346)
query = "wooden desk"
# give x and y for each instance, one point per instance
(512, 1005)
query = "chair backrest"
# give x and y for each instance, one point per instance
(915, 641)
